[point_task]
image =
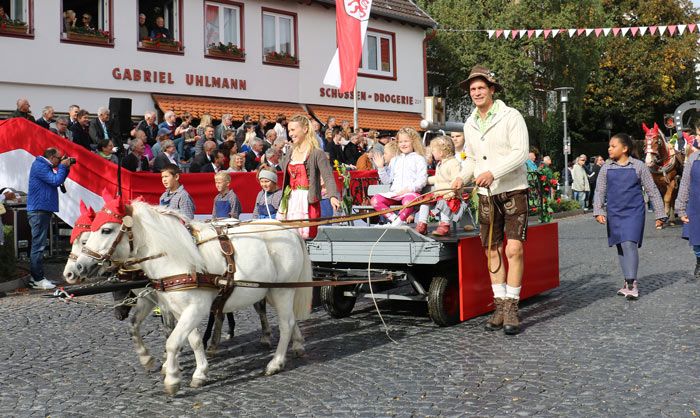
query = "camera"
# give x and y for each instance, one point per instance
(71, 160)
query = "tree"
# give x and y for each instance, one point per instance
(639, 79)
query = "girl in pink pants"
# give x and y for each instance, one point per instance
(407, 173)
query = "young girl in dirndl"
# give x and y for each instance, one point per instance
(620, 180)
(303, 169)
(688, 203)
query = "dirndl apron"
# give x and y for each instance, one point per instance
(298, 206)
(222, 208)
(266, 210)
(691, 230)
(626, 208)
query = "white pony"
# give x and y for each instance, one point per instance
(263, 253)
(144, 305)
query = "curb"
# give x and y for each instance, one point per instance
(13, 284)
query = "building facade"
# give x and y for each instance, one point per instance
(209, 56)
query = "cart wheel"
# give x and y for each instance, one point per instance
(443, 301)
(335, 302)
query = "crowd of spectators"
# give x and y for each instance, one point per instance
(201, 145)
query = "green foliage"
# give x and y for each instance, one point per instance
(629, 80)
(8, 262)
(565, 205)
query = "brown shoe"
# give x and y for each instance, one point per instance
(422, 228)
(511, 323)
(496, 321)
(442, 230)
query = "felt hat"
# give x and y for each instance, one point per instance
(479, 71)
(83, 223)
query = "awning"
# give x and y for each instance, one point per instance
(367, 118)
(197, 106)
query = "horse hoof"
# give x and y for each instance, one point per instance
(149, 364)
(300, 352)
(197, 383)
(172, 389)
(211, 353)
(270, 370)
(265, 342)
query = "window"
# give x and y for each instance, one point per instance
(160, 26)
(223, 30)
(279, 37)
(87, 21)
(16, 18)
(378, 55)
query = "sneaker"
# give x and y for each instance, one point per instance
(623, 291)
(43, 284)
(633, 291)
(422, 228)
(398, 221)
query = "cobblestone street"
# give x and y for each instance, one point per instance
(583, 352)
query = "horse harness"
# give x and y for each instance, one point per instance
(666, 166)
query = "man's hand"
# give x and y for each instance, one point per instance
(66, 162)
(600, 219)
(335, 203)
(685, 219)
(485, 179)
(457, 183)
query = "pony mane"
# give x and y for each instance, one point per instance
(162, 230)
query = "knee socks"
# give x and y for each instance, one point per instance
(628, 254)
(503, 291)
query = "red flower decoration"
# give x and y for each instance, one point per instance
(543, 178)
(554, 182)
(558, 200)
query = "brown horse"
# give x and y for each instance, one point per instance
(665, 165)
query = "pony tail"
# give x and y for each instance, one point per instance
(303, 295)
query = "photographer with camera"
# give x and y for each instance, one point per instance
(48, 172)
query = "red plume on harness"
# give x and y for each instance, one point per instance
(84, 221)
(112, 211)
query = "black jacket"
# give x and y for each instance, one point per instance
(199, 161)
(81, 136)
(252, 161)
(44, 123)
(131, 163)
(160, 161)
(351, 153)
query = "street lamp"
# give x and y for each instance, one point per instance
(564, 99)
(608, 127)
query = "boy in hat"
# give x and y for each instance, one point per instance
(175, 195)
(268, 200)
(226, 204)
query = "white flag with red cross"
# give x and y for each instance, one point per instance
(351, 17)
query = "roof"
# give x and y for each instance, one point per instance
(197, 106)
(368, 118)
(401, 10)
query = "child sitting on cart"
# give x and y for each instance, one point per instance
(407, 173)
(447, 169)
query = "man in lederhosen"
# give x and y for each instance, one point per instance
(496, 147)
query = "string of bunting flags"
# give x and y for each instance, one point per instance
(660, 30)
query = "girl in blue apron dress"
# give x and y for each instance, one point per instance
(688, 205)
(268, 200)
(624, 177)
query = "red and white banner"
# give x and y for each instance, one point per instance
(352, 17)
(631, 31)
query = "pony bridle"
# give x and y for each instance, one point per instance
(125, 228)
(86, 228)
